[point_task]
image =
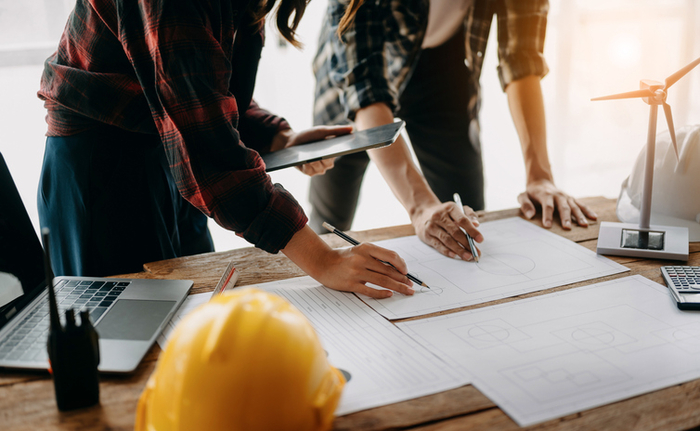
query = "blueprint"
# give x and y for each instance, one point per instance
(552, 355)
(381, 364)
(517, 257)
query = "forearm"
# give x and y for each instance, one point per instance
(349, 269)
(527, 110)
(396, 164)
(260, 130)
(309, 252)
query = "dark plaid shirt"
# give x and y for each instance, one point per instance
(383, 43)
(184, 70)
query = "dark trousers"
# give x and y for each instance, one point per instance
(111, 204)
(434, 105)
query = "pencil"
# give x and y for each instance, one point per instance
(353, 241)
(472, 246)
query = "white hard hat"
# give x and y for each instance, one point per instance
(676, 193)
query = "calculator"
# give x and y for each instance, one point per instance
(684, 284)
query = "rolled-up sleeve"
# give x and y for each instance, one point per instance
(258, 127)
(521, 35)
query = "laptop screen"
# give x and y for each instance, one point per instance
(21, 255)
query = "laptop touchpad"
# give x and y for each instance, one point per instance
(131, 319)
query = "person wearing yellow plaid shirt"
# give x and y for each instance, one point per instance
(421, 60)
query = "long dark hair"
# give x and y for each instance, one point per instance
(289, 13)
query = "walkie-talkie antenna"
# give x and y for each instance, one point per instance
(53, 308)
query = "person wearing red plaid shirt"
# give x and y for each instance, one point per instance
(152, 128)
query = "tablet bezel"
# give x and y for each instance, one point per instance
(375, 137)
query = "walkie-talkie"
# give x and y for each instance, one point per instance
(74, 350)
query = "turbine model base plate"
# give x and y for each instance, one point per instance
(657, 242)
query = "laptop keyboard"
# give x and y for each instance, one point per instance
(27, 341)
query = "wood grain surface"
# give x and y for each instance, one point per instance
(27, 400)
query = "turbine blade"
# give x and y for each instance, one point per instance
(629, 95)
(669, 121)
(678, 75)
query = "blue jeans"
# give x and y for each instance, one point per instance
(111, 203)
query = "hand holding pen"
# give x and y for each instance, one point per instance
(475, 222)
(354, 242)
(443, 226)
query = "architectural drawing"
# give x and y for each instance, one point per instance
(517, 257)
(545, 357)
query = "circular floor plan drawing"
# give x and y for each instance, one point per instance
(506, 264)
(687, 335)
(432, 290)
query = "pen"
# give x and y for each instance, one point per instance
(353, 241)
(472, 246)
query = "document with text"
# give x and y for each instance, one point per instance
(381, 364)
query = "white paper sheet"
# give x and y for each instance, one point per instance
(191, 302)
(545, 357)
(384, 364)
(517, 257)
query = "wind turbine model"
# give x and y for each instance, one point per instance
(626, 239)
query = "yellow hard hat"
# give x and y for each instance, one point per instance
(246, 360)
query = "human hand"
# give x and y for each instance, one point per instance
(349, 269)
(550, 198)
(439, 227)
(316, 134)
(354, 267)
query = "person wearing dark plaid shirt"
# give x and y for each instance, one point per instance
(152, 128)
(421, 60)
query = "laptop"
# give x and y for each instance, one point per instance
(128, 314)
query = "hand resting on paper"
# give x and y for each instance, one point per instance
(545, 194)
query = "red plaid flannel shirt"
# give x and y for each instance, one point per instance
(185, 70)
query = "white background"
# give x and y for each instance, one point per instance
(594, 47)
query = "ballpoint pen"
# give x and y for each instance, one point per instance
(472, 246)
(353, 241)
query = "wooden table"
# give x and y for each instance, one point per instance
(27, 400)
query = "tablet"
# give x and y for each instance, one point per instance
(375, 137)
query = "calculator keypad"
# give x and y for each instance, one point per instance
(685, 279)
